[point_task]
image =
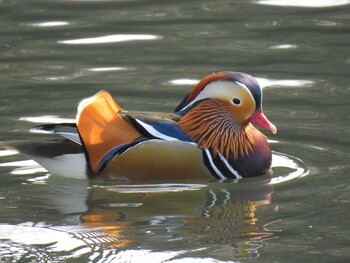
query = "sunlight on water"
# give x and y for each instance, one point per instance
(50, 24)
(103, 69)
(304, 3)
(326, 23)
(8, 153)
(284, 83)
(284, 46)
(263, 82)
(109, 39)
(71, 242)
(47, 119)
(183, 82)
(60, 73)
(27, 235)
(144, 255)
(39, 179)
(24, 167)
(155, 188)
(296, 166)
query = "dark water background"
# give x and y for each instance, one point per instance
(149, 54)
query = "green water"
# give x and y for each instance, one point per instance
(149, 54)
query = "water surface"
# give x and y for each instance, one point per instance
(149, 54)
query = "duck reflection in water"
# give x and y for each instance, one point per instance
(215, 216)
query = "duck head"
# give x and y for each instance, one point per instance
(219, 110)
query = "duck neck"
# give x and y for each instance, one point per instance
(211, 125)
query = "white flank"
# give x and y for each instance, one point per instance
(68, 165)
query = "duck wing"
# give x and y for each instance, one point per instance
(157, 125)
(66, 130)
(106, 130)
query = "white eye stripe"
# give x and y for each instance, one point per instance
(219, 89)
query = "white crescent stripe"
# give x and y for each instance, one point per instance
(156, 133)
(138, 144)
(228, 165)
(216, 170)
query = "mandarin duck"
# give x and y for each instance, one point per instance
(210, 134)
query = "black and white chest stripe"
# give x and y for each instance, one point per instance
(219, 166)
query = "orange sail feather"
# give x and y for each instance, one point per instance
(101, 128)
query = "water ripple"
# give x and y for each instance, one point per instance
(25, 167)
(284, 82)
(25, 237)
(263, 82)
(289, 166)
(46, 119)
(154, 188)
(179, 82)
(7, 152)
(50, 24)
(284, 46)
(104, 69)
(109, 39)
(304, 3)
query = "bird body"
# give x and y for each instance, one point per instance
(210, 134)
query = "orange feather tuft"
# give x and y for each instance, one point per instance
(101, 127)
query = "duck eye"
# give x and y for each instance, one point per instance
(236, 101)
